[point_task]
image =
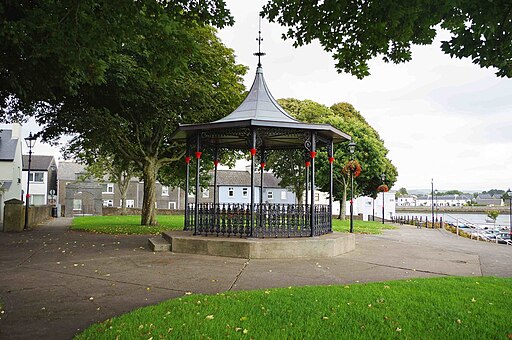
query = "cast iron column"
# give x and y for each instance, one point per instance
(27, 194)
(262, 168)
(432, 203)
(253, 153)
(216, 163)
(331, 160)
(196, 199)
(187, 186)
(313, 155)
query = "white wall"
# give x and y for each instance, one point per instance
(36, 188)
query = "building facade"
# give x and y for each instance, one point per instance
(10, 165)
(43, 179)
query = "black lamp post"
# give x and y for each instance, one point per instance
(383, 178)
(509, 196)
(352, 149)
(436, 204)
(31, 141)
(432, 204)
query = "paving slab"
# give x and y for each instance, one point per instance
(55, 282)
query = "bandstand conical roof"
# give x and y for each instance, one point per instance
(260, 111)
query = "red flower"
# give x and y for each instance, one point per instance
(352, 167)
(383, 188)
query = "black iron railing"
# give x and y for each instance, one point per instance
(270, 220)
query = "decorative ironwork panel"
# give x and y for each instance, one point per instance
(271, 220)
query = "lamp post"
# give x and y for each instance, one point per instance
(432, 204)
(383, 177)
(436, 204)
(509, 195)
(352, 149)
(31, 141)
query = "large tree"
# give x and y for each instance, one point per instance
(51, 48)
(173, 71)
(357, 31)
(370, 152)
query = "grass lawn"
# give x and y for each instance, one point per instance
(125, 224)
(438, 308)
(131, 225)
(360, 227)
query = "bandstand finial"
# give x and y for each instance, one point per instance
(259, 39)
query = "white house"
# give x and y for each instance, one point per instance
(10, 165)
(43, 179)
(406, 201)
(444, 201)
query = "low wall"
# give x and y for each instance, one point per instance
(38, 214)
(110, 211)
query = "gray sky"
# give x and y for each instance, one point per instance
(439, 117)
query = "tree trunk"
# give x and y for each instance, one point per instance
(150, 169)
(123, 183)
(343, 205)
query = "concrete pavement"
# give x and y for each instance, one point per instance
(55, 282)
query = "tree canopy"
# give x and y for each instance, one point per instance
(170, 70)
(357, 31)
(52, 48)
(370, 152)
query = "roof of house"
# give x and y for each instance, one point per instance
(7, 145)
(38, 162)
(243, 178)
(69, 170)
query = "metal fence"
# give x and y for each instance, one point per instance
(270, 220)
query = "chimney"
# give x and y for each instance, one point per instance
(16, 131)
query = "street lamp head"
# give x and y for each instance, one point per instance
(30, 140)
(383, 177)
(352, 147)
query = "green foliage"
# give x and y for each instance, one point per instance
(434, 308)
(493, 214)
(451, 192)
(357, 31)
(370, 151)
(173, 70)
(125, 224)
(51, 49)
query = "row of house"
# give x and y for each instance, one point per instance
(49, 184)
(449, 200)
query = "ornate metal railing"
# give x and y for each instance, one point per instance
(270, 220)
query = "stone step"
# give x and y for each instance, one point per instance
(159, 244)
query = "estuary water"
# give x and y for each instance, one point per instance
(474, 218)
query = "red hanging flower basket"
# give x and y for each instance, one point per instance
(352, 167)
(383, 188)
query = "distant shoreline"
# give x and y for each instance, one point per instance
(459, 210)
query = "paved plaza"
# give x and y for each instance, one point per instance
(55, 282)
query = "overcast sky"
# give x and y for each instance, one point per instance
(440, 118)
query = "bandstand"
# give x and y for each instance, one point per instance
(259, 126)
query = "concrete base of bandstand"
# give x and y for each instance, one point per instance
(328, 245)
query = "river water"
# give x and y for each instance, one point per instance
(474, 218)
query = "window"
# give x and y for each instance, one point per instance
(165, 190)
(231, 192)
(36, 177)
(36, 199)
(108, 203)
(77, 204)
(245, 192)
(108, 188)
(172, 205)
(129, 203)
(270, 195)
(317, 197)
(206, 193)
(283, 194)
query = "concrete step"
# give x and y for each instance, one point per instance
(159, 244)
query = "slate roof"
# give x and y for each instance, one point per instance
(38, 163)
(260, 110)
(69, 170)
(7, 146)
(243, 178)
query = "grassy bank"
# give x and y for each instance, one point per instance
(438, 308)
(131, 225)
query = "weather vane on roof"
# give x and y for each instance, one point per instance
(259, 39)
